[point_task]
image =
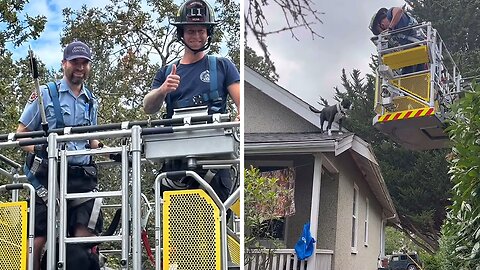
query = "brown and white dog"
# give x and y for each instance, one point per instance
(333, 113)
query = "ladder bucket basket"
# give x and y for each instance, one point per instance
(412, 105)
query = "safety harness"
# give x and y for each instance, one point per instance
(211, 98)
(42, 162)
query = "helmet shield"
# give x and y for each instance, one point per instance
(195, 12)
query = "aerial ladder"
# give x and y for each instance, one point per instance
(191, 228)
(413, 108)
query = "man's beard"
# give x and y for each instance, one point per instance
(76, 80)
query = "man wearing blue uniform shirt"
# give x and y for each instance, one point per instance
(78, 107)
(186, 83)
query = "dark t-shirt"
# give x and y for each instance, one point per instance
(405, 37)
(404, 20)
(195, 80)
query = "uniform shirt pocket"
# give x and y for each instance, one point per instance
(67, 115)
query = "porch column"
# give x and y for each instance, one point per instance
(314, 212)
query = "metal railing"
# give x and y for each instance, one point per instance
(133, 144)
(286, 259)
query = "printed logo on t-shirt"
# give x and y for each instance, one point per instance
(205, 76)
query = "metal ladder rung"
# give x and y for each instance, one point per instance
(93, 239)
(100, 194)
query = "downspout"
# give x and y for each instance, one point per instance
(382, 248)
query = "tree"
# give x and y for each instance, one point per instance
(259, 64)
(297, 14)
(17, 30)
(131, 40)
(16, 83)
(461, 243)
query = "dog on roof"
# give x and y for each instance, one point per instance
(333, 113)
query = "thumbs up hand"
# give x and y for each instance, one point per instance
(171, 82)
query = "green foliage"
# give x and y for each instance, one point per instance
(396, 241)
(260, 196)
(16, 29)
(462, 226)
(130, 40)
(431, 262)
(259, 64)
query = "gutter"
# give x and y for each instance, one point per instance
(289, 147)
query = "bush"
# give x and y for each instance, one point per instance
(461, 231)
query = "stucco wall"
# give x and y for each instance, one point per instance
(266, 115)
(366, 256)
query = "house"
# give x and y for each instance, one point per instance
(338, 185)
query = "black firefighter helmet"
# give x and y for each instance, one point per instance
(195, 12)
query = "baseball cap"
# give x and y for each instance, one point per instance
(77, 49)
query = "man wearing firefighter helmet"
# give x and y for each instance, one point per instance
(186, 82)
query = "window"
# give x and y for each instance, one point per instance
(354, 218)
(367, 213)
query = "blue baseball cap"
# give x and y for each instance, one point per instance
(77, 49)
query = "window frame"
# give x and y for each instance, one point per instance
(367, 215)
(354, 240)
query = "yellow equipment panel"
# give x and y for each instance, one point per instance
(236, 207)
(13, 235)
(191, 231)
(234, 249)
(405, 58)
(406, 103)
(417, 85)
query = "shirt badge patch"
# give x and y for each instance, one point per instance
(32, 97)
(205, 76)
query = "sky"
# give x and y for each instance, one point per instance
(47, 46)
(312, 68)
